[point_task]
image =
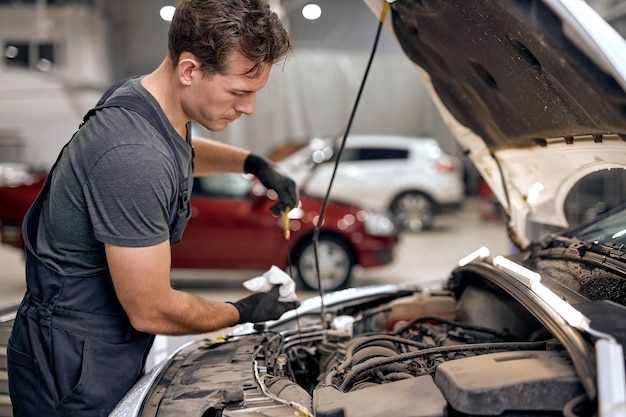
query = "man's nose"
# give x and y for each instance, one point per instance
(245, 104)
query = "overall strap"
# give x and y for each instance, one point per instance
(143, 108)
(137, 105)
(130, 103)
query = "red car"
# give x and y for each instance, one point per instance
(15, 199)
(232, 228)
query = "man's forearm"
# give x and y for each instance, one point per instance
(141, 277)
(183, 313)
(213, 157)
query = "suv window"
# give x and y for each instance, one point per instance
(222, 185)
(371, 154)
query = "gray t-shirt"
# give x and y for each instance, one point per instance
(116, 182)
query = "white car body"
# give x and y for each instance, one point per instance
(394, 166)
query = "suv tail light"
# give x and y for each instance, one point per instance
(446, 165)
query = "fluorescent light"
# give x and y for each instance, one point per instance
(167, 13)
(611, 378)
(311, 11)
(533, 281)
(480, 253)
(574, 317)
(524, 275)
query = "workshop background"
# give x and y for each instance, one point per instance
(59, 56)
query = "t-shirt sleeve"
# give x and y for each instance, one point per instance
(129, 194)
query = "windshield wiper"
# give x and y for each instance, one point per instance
(582, 247)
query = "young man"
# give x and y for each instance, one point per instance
(98, 237)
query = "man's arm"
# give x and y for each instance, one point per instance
(141, 277)
(213, 157)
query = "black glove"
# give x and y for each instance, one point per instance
(262, 306)
(271, 177)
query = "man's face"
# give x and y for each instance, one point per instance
(216, 101)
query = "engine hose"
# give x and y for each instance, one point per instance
(329, 377)
(397, 376)
(362, 356)
(443, 340)
(568, 410)
(413, 322)
(487, 347)
(390, 368)
(361, 343)
(286, 389)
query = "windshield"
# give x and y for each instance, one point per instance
(610, 228)
(587, 259)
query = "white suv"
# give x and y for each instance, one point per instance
(412, 178)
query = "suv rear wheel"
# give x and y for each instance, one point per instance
(413, 212)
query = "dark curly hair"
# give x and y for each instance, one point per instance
(213, 29)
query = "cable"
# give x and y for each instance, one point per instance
(290, 272)
(366, 369)
(320, 220)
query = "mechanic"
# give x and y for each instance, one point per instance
(98, 236)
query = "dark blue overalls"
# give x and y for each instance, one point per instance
(73, 351)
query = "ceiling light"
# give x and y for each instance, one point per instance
(167, 12)
(311, 11)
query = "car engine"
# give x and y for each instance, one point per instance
(466, 352)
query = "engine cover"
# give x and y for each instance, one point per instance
(413, 397)
(491, 384)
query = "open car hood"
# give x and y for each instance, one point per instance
(534, 91)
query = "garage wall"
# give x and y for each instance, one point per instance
(40, 109)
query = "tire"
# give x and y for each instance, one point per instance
(335, 262)
(413, 212)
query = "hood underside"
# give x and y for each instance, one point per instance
(534, 91)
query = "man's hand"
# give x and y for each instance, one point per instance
(262, 306)
(270, 176)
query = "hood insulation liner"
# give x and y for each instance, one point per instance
(507, 70)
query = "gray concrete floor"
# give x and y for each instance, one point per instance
(423, 258)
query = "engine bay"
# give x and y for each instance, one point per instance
(423, 355)
(471, 352)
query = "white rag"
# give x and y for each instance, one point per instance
(271, 277)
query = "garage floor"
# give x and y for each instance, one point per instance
(420, 258)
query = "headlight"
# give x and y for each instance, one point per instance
(378, 224)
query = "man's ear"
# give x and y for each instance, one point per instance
(188, 67)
